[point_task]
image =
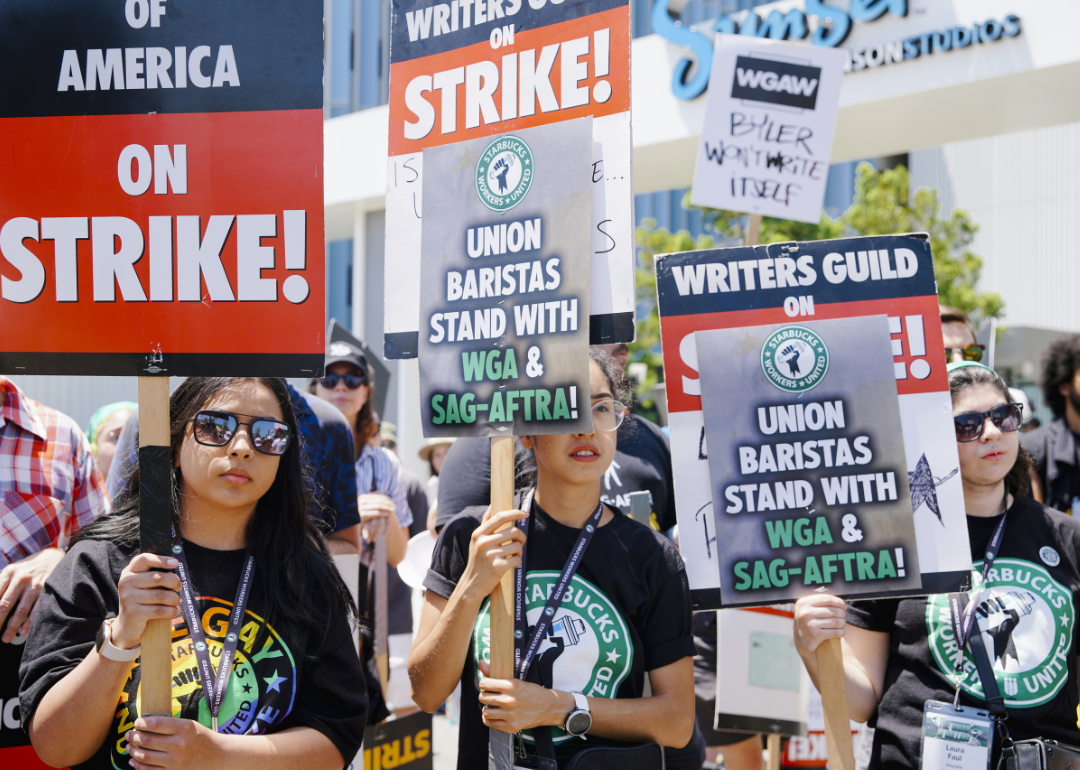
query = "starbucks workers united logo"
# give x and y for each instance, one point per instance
(504, 173)
(1026, 619)
(794, 359)
(587, 648)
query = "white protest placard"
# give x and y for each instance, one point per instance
(761, 683)
(459, 73)
(768, 128)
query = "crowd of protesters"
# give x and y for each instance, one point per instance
(270, 481)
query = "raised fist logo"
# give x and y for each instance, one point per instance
(790, 356)
(499, 170)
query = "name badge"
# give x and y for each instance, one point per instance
(955, 738)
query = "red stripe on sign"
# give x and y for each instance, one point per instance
(21, 758)
(184, 233)
(534, 63)
(918, 351)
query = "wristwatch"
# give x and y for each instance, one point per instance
(579, 720)
(105, 646)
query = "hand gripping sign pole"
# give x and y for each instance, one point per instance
(502, 598)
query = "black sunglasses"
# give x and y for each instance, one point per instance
(215, 428)
(969, 352)
(970, 425)
(352, 380)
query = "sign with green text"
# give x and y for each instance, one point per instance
(807, 465)
(505, 284)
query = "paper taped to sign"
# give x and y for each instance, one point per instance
(505, 284)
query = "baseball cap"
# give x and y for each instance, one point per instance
(347, 353)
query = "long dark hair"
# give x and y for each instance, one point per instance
(295, 578)
(1018, 479)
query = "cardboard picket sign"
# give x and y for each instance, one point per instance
(785, 283)
(765, 145)
(761, 683)
(460, 71)
(505, 288)
(405, 743)
(807, 465)
(163, 212)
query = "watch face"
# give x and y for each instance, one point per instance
(579, 723)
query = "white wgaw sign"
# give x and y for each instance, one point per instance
(768, 128)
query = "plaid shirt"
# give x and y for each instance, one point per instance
(47, 473)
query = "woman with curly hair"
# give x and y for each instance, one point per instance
(901, 653)
(1055, 477)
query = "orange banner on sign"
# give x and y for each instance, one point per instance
(559, 72)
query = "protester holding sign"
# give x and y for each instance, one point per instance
(240, 528)
(625, 611)
(902, 654)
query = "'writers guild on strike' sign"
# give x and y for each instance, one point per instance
(505, 283)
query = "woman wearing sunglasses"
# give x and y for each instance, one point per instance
(901, 653)
(291, 693)
(625, 614)
(349, 384)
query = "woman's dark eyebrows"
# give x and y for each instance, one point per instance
(602, 396)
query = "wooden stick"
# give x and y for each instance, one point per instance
(773, 745)
(382, 609)
(502, 598)
(155, 665)
(753, 230)
(834, 705)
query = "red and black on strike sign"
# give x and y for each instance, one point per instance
(161, 205)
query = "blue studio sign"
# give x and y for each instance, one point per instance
(833, 27)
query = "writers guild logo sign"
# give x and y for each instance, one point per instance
(776, 82)
(1026, 619)
(504, 173)
(794, 359)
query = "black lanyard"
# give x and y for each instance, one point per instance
(523, 655)
(963, 621)
(213, 687)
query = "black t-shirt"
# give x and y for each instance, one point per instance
(625, 612)
(315, 683)
(1056, 450)
(1027, 616)
(642, 463)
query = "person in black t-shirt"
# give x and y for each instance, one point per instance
(1055, 477)
(625, 613)
(240, 518)
(899, 653)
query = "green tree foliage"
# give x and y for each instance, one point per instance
(882, 205)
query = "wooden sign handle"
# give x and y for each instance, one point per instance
(502, 598)
(155, 501)
(834, 705)
(773, 745)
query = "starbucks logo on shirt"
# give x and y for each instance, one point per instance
(587, 649)
(794, 359)
(1026, 619)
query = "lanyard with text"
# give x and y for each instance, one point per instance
(524, 655)
(962, 622)
(213, 687)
